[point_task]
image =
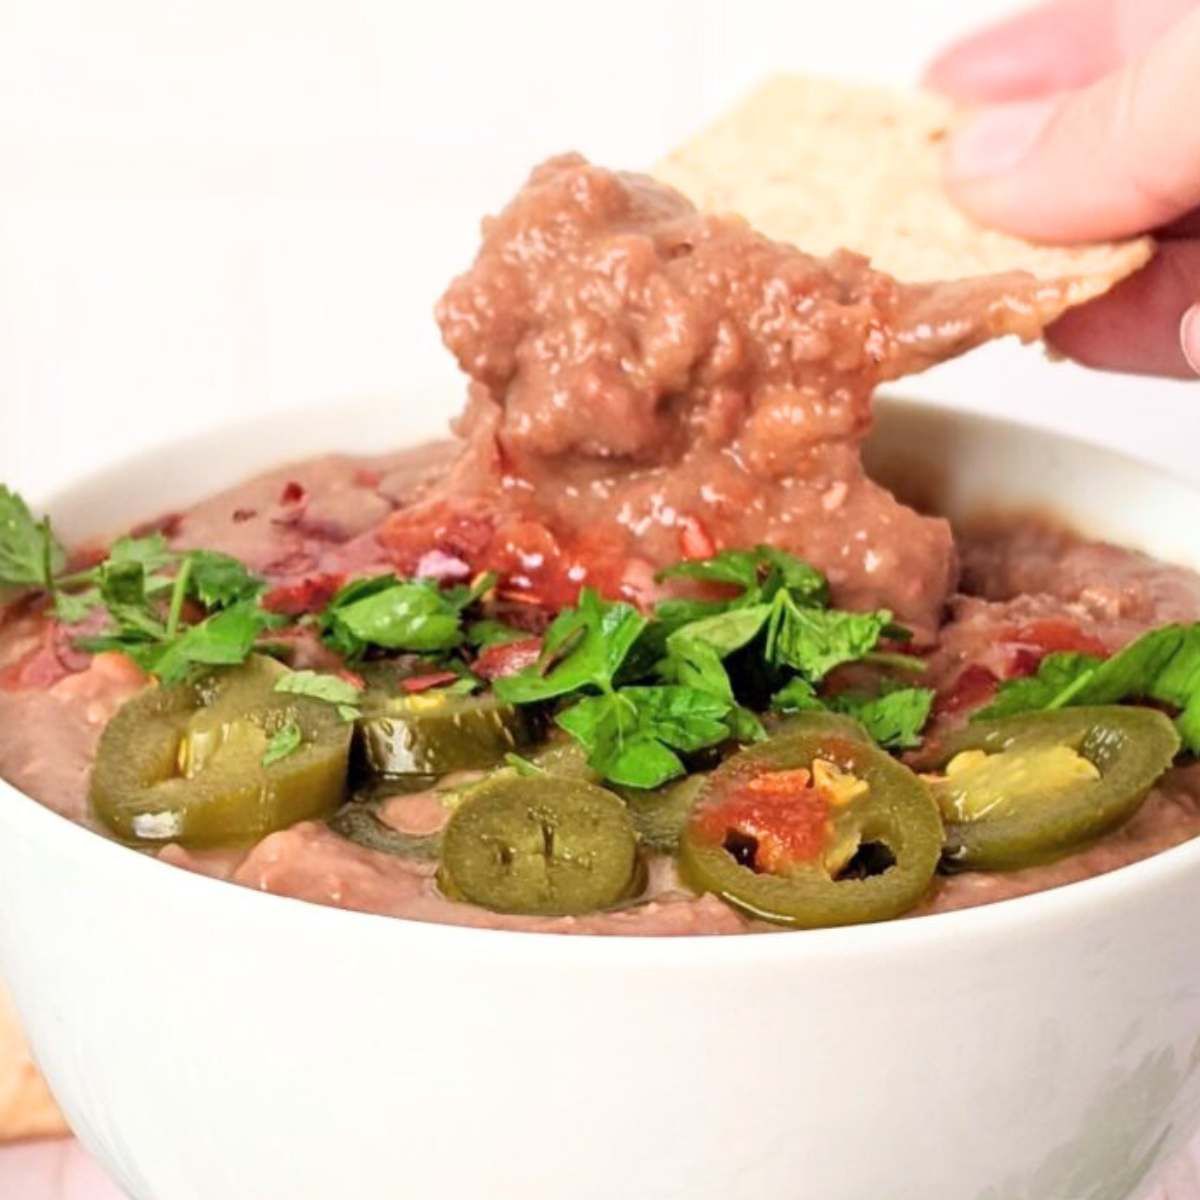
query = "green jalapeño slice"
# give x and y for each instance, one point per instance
(813, 828)
(1017, 791)
(189, 763)
(428, 734)
(539, 844)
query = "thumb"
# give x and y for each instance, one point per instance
(1115, 158)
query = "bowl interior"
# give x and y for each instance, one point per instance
(951, 462)
(961, 465)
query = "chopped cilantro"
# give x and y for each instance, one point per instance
(632, 735)
(284, 741)
(30, 556)
(813, 641)
(490, 632)
(584, 647)
(894, 718)
(321, 686)
(1162, 665)
(383, 611)
(218, 580)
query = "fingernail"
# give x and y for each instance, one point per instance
(998, 138)
(1189, 335)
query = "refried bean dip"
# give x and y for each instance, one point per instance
(459, 687)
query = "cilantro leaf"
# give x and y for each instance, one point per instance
(760, 573)
(632, 735)
(724, 632)
(30, 556)
(490, 632)
(894, 718)
(1162, 665)
(151, 551)
(1058, 675)
(463, 597)
(813, 641)
(283, 742)
(224, 639)
(219, 580)
(584, 647)
(321, 686)
(72, 607)
(797, 695)
(522, 765)
(383, 611)
(122, 584)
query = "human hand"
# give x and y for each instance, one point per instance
(1089, 130)
(58, 1169)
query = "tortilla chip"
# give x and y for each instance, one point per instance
(27, 1110)
(825, 165)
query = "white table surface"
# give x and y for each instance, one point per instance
(250, 205)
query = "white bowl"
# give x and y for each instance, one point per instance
(211, 1043)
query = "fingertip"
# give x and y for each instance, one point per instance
(1149, 324)
(1044, 49)
(1189, 337)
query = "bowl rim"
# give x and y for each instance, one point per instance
(1066, 904)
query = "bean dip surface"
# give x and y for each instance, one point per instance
(647, 385)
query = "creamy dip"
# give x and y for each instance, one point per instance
(647, 384)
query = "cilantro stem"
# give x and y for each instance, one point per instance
(1070, 691)
(899, 662)
(178, 593)
(47, 555)
(77, 579)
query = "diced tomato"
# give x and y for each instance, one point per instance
(495, 662)
(1053, 635)
(306, 595)
(410, 534)
(694, 540)
(974, 686)
(782, 818)
(422, 683)
(598, 558)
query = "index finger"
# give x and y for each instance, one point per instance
(1051, 48)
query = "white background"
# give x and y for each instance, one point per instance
(243, 205)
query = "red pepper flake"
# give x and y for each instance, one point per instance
(293, 493)
(241, 515)
(776, 818)
(422, 683)
(694, 539)
(497, 662)
(352, 678)
(307, 595)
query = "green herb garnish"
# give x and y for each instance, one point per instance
(1161, 666)
(283, 742)
(30, 556)
(318, 685)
